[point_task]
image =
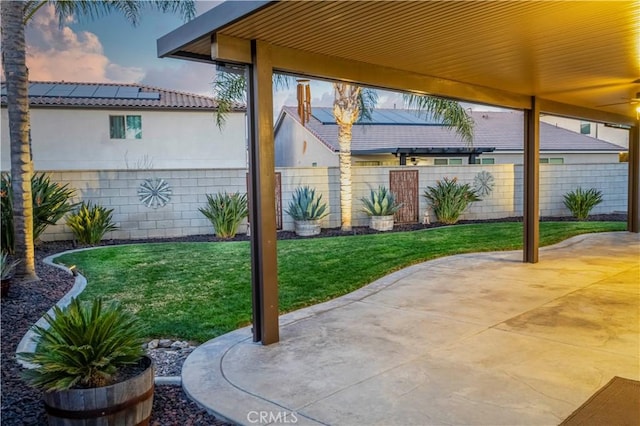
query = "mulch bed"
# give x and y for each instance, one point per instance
(26, 303)
(22, 404)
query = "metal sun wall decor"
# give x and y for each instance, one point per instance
(154, 192)
(483, 183)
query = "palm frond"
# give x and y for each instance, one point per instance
(85, 344)
(130, 9)
(452, 114)
(283, 81)
(228, 89)
(367, 100)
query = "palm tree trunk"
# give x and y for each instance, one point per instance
(16, 76)
(344, 140)
(346, 110)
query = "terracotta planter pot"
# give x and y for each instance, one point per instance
(382, 223)
(307, 228)
(125, 403)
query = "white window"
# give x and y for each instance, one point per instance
(485, 160)
(447, 161)
(125, 126)
(585, 128)
(551, 160)
(367, 163)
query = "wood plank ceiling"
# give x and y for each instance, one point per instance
(578, 53)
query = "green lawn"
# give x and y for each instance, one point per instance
(198, 291)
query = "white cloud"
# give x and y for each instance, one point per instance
(59, 53)
(192, 77)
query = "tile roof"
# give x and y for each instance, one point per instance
(500, 130)
(101, 95)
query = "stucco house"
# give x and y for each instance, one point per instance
(399, 137)
(614, 133)
(108, 126)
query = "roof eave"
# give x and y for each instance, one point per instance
(171, 44)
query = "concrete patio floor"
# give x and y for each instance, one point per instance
(477, 339)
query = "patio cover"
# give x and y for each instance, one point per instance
(575, 59)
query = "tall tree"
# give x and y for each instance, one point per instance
(351, 103)
(15, 15)
(346, 110)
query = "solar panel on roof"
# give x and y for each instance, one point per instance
(148, 95)
(61, 90)
(127, 93)
(105, 92)
(379, 117)
(40, 89)
(385, 117)
(83, 91)
(393, 117)
(323, 115)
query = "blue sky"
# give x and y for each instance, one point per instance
(109, 49)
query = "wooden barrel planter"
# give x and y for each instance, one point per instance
(126, 403)
(382, 223)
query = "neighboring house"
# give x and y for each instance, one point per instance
(396, 137)
(611, 133)
(108, 126)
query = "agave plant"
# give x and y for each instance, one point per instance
(449, 199)
(306, 206)
(90, 222)
(7, 266)
(50, 204)
(85, 346)
(225, 212)
(581, 202)
(381, 202)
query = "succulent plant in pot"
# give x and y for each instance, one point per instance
(381, 205)
(90, 355)
(306, 208)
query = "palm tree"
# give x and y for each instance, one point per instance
(346, 111)
(351, 103)
(15, 15)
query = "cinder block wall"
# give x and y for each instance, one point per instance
(118, 190)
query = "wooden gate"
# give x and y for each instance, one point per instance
(278, 195)
(404, 185)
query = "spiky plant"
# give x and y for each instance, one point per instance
(581, 202)
(50, 204)
(7, 266)
(85, 346)
(449, 199)
(90, 222)
(225, 212)
(381, 202)
(306, 206)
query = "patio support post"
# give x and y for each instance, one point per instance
(633, 200)
(264, 260)
(531, 182)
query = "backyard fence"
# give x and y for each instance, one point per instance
(164, 203)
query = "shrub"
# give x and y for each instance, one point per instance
(225, 212)
(7, 266)
(381, 202)
(50, 204)
(580, 202)
(85, 346)
(90, 222)
(449, 199)
(306, 206)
